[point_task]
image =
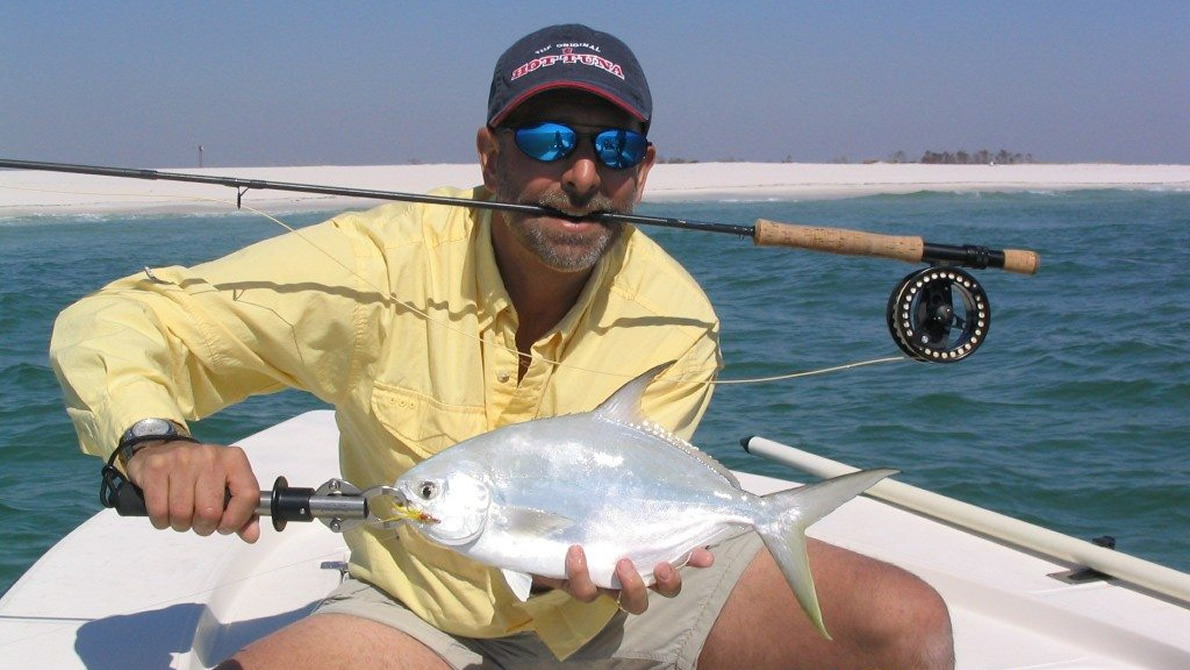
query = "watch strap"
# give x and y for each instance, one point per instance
(131, 442)
(129, 447)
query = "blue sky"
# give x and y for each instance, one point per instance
(298, 83)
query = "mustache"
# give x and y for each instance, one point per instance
(564, 205)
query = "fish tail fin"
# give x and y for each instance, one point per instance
(792, 512)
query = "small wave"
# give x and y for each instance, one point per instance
(748, 200)
(295, 218)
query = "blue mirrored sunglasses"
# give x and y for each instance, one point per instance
(550, 141)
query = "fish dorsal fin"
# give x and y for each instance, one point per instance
(705, 458)
(623, 406)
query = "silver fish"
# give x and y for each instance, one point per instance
(518, 497)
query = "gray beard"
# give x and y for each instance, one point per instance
(568, 253)
(562, 251)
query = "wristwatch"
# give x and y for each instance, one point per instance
(149, 430)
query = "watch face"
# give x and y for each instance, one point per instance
(152, 427)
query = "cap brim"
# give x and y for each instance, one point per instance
(574, 85)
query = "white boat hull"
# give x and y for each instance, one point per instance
(118, 593)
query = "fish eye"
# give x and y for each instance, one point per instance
(427, 490)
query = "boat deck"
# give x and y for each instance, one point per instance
(117, 593)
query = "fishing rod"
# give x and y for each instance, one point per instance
(763, 232)
(939, 314)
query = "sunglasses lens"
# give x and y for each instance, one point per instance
(546, 141)
(620, 149)
(550, 141)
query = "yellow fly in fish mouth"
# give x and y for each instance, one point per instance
(414, 514)
(399, 512)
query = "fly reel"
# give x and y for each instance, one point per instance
(939, 314)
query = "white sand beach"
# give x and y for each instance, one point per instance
(28, 192)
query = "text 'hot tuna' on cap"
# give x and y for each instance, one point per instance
(569, 56)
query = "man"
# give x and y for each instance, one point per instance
(425, 325)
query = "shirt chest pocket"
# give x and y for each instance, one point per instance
(423, 424)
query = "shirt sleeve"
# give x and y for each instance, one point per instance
(182, 343)
(680, 397)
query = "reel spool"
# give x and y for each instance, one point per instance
(939, 315)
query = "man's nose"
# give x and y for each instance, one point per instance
(581, 179)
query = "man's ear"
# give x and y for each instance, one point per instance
(642, 171)
(489, 148)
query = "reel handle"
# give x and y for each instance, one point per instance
(907, 248)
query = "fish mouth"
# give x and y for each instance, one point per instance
(400, 509)
(411, 513)
(399, 498)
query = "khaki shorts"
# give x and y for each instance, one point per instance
(669, 635)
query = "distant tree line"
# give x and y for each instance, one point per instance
(981, 157)
(960, 157)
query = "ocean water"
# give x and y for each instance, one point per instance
(1073, 414)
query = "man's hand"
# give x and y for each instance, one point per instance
(633, 597)
(185, 487)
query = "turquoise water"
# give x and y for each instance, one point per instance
(1073, 415)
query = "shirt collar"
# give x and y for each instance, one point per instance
(597, 284)
(494, 298)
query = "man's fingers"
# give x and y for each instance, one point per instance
(701, 557)
(245, 494)
(186, 487)
(156, 492)
(634, 596)
(666, 580)
(250, 532)
(181, 501)
(209, 498)
(578, 579)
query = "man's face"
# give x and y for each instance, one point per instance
(577, 185)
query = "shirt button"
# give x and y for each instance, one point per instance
(502, 377)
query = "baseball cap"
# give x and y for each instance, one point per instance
(569, 56)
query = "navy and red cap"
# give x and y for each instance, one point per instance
(569, 56)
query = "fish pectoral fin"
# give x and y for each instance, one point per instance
(536, 522)
(518, 582)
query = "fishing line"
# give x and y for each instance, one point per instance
(811, 373)
(447, 326)
(430, 319)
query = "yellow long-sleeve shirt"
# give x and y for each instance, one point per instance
(399, 318)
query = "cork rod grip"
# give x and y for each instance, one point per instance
(1022, 261)
(837, 241)
(858, 243)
